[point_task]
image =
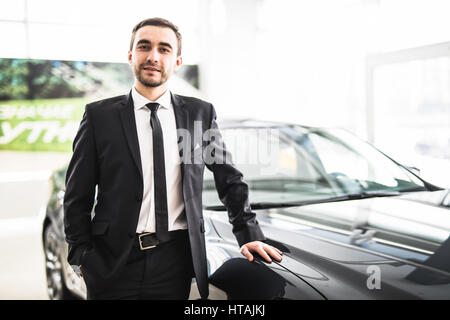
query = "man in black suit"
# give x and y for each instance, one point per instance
(146, 238)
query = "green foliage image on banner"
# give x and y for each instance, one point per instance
(42, 101)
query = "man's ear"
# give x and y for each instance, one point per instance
(178, 63)
(130, 57)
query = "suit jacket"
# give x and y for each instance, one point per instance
(106, 155)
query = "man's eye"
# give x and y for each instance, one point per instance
(164, 50)
(143, 47)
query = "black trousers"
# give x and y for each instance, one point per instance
(161, 273)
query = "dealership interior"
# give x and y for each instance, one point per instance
(378, 69)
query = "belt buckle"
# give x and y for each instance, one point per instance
(140, 241)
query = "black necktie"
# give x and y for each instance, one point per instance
(159, 175)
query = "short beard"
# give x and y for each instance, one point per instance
(150, 84)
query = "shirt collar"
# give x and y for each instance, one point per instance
(140, 101)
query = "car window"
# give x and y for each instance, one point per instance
(293, 163)
(275, 167)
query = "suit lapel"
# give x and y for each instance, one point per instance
(181, 114)
(182, 122)
(128, 119)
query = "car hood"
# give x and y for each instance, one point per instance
(434, 198)
(377, 248)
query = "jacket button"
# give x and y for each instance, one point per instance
(138, 198)
(131, 234)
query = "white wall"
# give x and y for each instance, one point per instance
(93, 30)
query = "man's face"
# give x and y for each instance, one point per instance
(154, 55)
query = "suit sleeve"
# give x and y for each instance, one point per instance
(231, 187)
(81, 180)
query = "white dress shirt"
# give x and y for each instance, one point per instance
(175, 204)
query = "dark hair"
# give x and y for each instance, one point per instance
(159, 22)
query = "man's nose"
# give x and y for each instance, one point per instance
(153, 55)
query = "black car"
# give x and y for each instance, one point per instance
(352, 222)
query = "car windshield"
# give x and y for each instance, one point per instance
(296, 164)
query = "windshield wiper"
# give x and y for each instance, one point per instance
(263, 205)
(351, 196)
(368, 194)
(414, 189)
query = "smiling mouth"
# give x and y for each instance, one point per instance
(151, 69)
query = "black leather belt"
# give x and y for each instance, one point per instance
(148, 240)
